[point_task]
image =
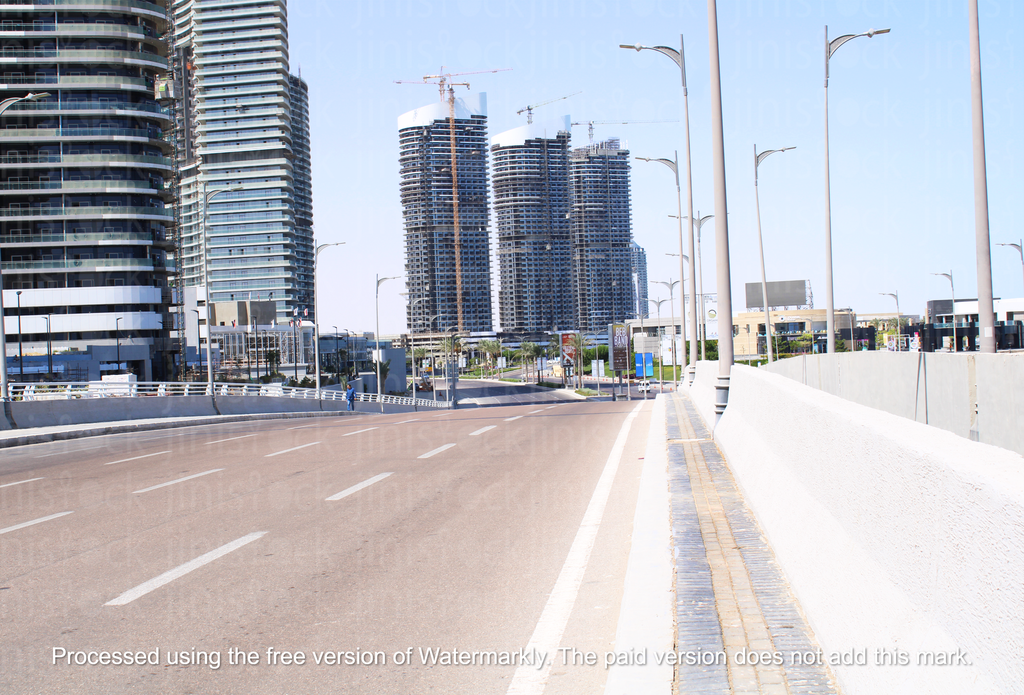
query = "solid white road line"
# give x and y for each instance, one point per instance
(349, 434)
(135, 458)
(510, 419)
(482, 430)
(231, 439)
(438, 450)
(20, 482)
(294, 448)
(75, 451)
(530, 680)
(179, 480)
(32, 523)
(356, 488)
(182, 570)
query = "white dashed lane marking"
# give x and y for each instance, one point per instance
(438, 450)
(294, 448)
(356, 488)
(136, 458)
(179, 480)
(32, 523)
(482, 430)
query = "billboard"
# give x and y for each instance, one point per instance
(568, 347)
(619, 347)
(780, 294)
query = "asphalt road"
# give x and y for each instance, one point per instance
(374, 533)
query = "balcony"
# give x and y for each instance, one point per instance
(106, 211)
(105, 159)
(87, 264)
(50, 55)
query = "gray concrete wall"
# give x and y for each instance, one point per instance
(893, 534)
(955, 392)
(66, 412)
(702, 390)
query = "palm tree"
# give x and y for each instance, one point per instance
(491, 348)
(527, 352)
(580, 342)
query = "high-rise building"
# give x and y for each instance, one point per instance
(638, 270)
(531, 212)
(446, 289)
(243, 125)
(601, 235)
(84, 231)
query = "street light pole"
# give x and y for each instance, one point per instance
(758, 158)
(830, 313)
(1019, 246)
(679, 58)
(672, 305)
(117, 339)
(21, 355)
(376, 334)
(983, 252)
(207, 197)
(316, 316)
(661, 362)
(49, 350)
(899, 333)
(199, 347)
(337, 357)
(699, 222)
(5, 393)
(952, 292)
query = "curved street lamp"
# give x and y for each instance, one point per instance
(899, 333)
(316, 316)
(376, 335)
(671, 284)
(758, 158)
(699, 223)
(952, 294)
(830, 313)
(1020, 249)
(679, 58)
(661, 362)
(207, 197)
(5, 394)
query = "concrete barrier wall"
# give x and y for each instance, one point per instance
(893, 534)
(967, 394)
(702, 390)
(65, 412)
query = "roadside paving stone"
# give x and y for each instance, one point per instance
(731, 594)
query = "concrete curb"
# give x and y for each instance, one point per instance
(12, 438)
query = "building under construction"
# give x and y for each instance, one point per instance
(445, 289)
(600, 229)
(531, 211)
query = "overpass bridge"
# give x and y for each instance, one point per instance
(867, 551)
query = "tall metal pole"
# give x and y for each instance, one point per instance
(1019, 246)
(5, 393)
(117, 339)
(758, 158)
(725, 345)
(672, 305)
(830, 310)
(680, 59)
(21, 355)
(49, 351)
(986, 305)
(316, 316)
(899, 333)
(376, 334)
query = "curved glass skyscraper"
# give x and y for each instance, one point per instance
(84, 230)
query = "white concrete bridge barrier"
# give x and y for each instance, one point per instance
(900, 540)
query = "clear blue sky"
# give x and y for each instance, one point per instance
(900, 126)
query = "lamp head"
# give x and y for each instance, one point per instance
(872, 32)
(637, 47)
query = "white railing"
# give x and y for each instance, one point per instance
(104, 389)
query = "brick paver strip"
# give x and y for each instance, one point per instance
(730, 592)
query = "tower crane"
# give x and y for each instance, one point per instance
(529, 109)
(443, 80)
(590, 125)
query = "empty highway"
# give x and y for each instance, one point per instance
(236, 556)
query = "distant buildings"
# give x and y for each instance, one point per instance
(243, 122)
(531, 210)
(446, 291)
(600, 228)
(638, 269)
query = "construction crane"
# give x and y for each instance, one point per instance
(590, 125)
(529, 109)
(444, 81)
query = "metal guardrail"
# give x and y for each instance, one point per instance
(140, 389)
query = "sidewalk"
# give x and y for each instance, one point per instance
(731, 596)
